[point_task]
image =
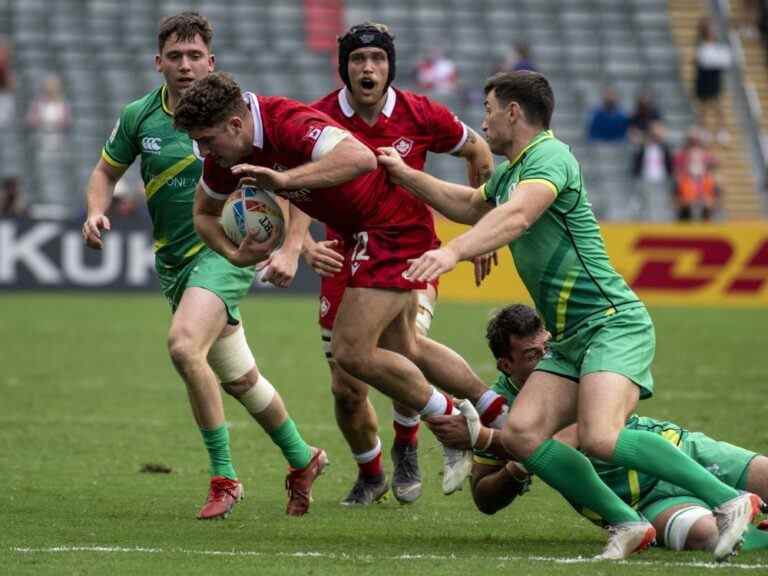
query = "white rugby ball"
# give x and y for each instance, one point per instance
(252, 209)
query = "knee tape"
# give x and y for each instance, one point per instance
(259, 396)
(680, 524)
(424, 315)
(230, 358)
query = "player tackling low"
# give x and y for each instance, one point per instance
(518, 341)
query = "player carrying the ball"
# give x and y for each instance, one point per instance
(206, 340)
(304, 155)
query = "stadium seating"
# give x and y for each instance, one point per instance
(104, 50)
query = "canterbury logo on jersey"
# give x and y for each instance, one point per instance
(151, 144)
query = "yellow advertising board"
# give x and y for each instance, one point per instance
(666, 264)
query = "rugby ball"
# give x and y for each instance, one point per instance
(252, 209)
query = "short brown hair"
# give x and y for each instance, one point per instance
(186, 26)
(517, 320)
(208, 102)
(530, 90)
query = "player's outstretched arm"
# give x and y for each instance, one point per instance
(458, 203)
(497, 228)
(98, 197)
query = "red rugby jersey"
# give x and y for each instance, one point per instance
(410, 123)
(285, 135)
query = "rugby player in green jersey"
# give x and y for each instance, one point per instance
(206, 340)
(603, 338)
(518, 340)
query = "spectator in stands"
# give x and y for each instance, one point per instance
(652, 168)
(695, 184)
(437, 74)
(609, 123)
(713, 58)
(645, 115)
(50, 119)
(9, 192)
(517, 58)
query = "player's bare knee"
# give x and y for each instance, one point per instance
(597, 443)
(182, 348)
(351, 358)
(348, 397)
(520, 439)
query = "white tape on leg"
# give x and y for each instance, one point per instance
(230, 357)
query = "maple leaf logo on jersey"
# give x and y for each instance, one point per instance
(403, 146)
(325, 306)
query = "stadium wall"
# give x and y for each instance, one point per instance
(710, 265)
(667, 264)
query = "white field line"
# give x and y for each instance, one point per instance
(371, 557)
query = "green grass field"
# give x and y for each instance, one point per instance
(89, 396)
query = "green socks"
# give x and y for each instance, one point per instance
(217, 444)
(570, 472)
(287, 437)
(755, 539)
(652, 454)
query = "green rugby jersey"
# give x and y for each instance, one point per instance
(170, 170)
(629, 485)
(561, 258)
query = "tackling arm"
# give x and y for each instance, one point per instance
(495, 487)
(504, 223)
(459, 203)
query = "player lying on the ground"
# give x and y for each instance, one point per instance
(603, 336)
(518, 340)
(304, 155)
(379, 114)
(206, 340)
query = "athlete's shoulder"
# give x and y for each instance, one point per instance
(328, 103)
(423, 108)
(143, 107)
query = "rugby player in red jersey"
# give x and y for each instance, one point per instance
(305, 156)
(380, 115)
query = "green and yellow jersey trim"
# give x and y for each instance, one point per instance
(161, 179)
(544, 181)
(163, 98)
(111, 161)
(540, 137)
(562, 301)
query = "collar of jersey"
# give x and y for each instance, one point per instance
(540, 137)
(511, 383)
(163, 96)
(348, 111)
(258, 127)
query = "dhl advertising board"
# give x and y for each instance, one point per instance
(710, 265)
